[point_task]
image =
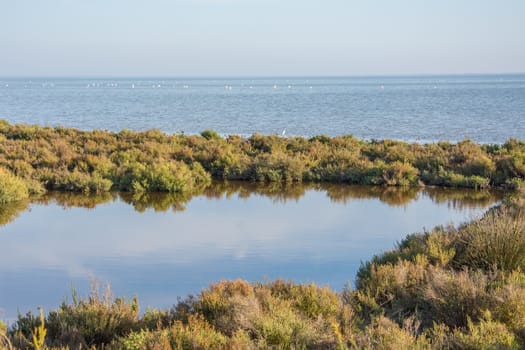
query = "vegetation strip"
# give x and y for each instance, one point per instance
(34, 159)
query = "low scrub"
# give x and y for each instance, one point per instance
(99, 161)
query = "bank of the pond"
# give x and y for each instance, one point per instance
(449, 288)
(46, 158)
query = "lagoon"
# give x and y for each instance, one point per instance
(161, 246)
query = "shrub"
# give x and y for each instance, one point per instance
(515, 184)
(98, 320)
(400, 174)
(144, 340)
(383, 334)
(12, 188)
(210, 134)
(487, 334)
(196, 334)
(496, 241)
(452, 297)
(77, 181)
(276, 315)
(134, 341)
(311, 300)
(280, 326)
(508, 304)
(228, 305)
(395, 288)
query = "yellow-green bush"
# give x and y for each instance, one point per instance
(95, 321)
(12, 188)
(496, 241)
(384, 334)
(486, 334)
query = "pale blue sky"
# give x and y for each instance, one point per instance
(260, 37)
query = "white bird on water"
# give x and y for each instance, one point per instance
(284, 132)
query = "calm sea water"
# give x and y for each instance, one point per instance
(488, 109)
(160, 246)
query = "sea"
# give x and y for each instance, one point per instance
(483, 108)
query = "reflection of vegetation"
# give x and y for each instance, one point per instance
(157, 201)
(70, 200)
(453, 288)
(280, 192)
(150, 161)
(464, 198)
(277, 191)
(10, 211)
(391, 195)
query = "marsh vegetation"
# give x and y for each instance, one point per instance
(34, 159)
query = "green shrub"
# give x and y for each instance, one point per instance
(197, 333)
(134, 341)
(400, 174)
(173, 177)
(276, 315)
(12, 188)
(311, 300)
(210, 134)
(496, 241)
(395, 288)
(77, 181)
(96, 321)
(508, 304)
(486, 334)
(280, 326)
(515, 184)
(383, 334)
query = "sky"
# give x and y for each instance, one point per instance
(111, 38)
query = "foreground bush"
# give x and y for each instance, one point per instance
(496, 241)
(99, 319)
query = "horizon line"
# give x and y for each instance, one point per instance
(256, 76)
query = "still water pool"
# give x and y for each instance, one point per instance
(159, 247)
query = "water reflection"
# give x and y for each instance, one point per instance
(160, 246)
(278, 193)
(11, 211)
